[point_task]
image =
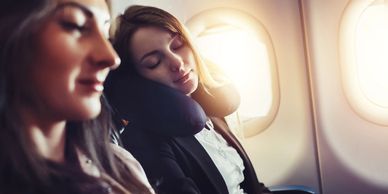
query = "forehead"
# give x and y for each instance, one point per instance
(99, 8)
(146, 39)
(151, 35)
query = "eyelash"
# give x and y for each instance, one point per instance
(180, 45)
(153, 66)
(73, 26)
(179, 41)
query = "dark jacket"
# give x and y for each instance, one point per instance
(161, 129)
(181, 165)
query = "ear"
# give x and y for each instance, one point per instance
(153, 106)
(218, 102)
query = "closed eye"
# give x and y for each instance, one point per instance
(177, 43)
(154, 65)
(152, 61)
(74, 17)
(71, 26)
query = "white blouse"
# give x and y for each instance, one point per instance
(224, 156)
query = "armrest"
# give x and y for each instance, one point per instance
(291, 189)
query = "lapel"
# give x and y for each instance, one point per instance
(250, 183)
(194, 148)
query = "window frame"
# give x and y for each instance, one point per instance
(229, 16)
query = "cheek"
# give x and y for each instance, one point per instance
(54, 86)
(190, 60)
(58, 62)
(60, 50)
(54, 80)
(56, 76)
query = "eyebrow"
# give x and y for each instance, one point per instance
(83, 8)
(156, 51)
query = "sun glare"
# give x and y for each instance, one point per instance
(372, 53)
(244, 58)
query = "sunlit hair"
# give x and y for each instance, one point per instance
(22, 168)
(138, 16)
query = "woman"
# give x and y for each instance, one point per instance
(54, 126)
(162, 67)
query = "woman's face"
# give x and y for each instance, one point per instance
(73, 58)
(163, 57)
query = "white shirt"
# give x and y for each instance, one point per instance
(224, 156)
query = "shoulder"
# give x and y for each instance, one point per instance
(131, 163)
(125, 156)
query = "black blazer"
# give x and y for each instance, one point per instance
(179, 164)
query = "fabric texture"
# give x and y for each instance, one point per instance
(112, 186)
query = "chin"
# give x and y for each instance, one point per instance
(94, 112)
(189, 89)
(93, 115)
(89, 111)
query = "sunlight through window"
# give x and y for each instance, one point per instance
(240, 45)
(245, 60)
(372, 52)
(364, 58)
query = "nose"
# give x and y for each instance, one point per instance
(103, 53)
(176, 62)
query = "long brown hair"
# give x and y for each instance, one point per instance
(22, 168)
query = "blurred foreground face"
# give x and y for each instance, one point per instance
(163, 57)
(73, 58)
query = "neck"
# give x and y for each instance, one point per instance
(47, 135)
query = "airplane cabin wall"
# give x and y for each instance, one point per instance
(352, 150)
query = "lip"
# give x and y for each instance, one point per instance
(93, 84)
(183, 78)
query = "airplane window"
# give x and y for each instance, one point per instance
(363, 47)
(245, 60)
(243, 49)
(371, 52)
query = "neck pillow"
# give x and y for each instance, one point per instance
(166, 111)
(217, 102)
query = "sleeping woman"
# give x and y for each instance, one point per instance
(175, 106)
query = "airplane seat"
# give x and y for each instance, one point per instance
(184, 116)
(291, 189)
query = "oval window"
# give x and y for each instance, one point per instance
(363, 53)
(240, 45)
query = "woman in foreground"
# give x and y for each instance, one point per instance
(54, 125)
